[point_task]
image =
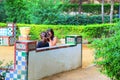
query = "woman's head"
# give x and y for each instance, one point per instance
(50, 32)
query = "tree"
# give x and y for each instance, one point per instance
(102, 9)
(2, 11)
(80, 6)
(111, 10)
(119, 9)
(18, 10)
(46, 12)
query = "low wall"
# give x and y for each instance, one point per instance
(8, 35)
(33, 64)
(49, 61)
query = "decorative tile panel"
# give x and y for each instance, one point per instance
(20, 72)
(20, 46)
(1, 41)
(3, 31)
(79, 39)
(7, 40)
(26, 45)
(73, 39)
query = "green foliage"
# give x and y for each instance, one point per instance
(107, 55)
(81, 19)
(2, 12)
(6, 68)
(46, 12)
(17, 10)
(91, 8)
(87, 31)
(51, 12)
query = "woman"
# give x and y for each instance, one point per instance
(43, 42)
(51, 38)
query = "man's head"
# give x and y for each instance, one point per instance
(43, 36)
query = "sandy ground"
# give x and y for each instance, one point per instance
(84, 73)
(7, 53)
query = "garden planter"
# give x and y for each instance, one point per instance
(24, 31)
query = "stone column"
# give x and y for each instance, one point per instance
(22, 49)
(73, 39)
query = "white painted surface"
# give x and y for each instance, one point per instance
(46, 63)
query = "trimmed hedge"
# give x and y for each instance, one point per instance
(82, 19)
(88, 31)
(91, 8)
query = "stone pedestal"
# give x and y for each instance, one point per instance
(24, 37)
(24, 33)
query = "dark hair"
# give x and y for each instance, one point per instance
(51, 30)
(43, 34)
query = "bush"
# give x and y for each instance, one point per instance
(2, 12)
(91, 8)
(87, 31)
(107, 54)
(83, 19)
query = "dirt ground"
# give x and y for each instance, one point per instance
(84, 73)
(7, 53)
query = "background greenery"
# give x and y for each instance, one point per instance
(107, 55)
(87, 31)
(105, 37)
(91, 8)
(53, 12)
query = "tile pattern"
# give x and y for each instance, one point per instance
(20, 46)
(7, 40)
(12, 40)
(3, 31)
(1, 41)
(73, 39)
(20, 72)
(7, 35)
(10, 31)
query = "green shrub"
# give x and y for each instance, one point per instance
(82, 19)
(6, 68)
(107, 54)
(91, 8)
(2, 11)
(87, 31)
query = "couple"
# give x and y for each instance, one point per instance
(47, 39)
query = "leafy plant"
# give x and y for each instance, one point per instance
(107, 54)
(87, 31)
(5, 68)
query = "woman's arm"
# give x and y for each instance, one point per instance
(53, 42)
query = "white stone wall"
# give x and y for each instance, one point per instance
(49, 62)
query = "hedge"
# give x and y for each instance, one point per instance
(91, 8)
(88, 31)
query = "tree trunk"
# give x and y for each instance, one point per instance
(119, 8)
(102, 9)
(111, 11)
(80, 6)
